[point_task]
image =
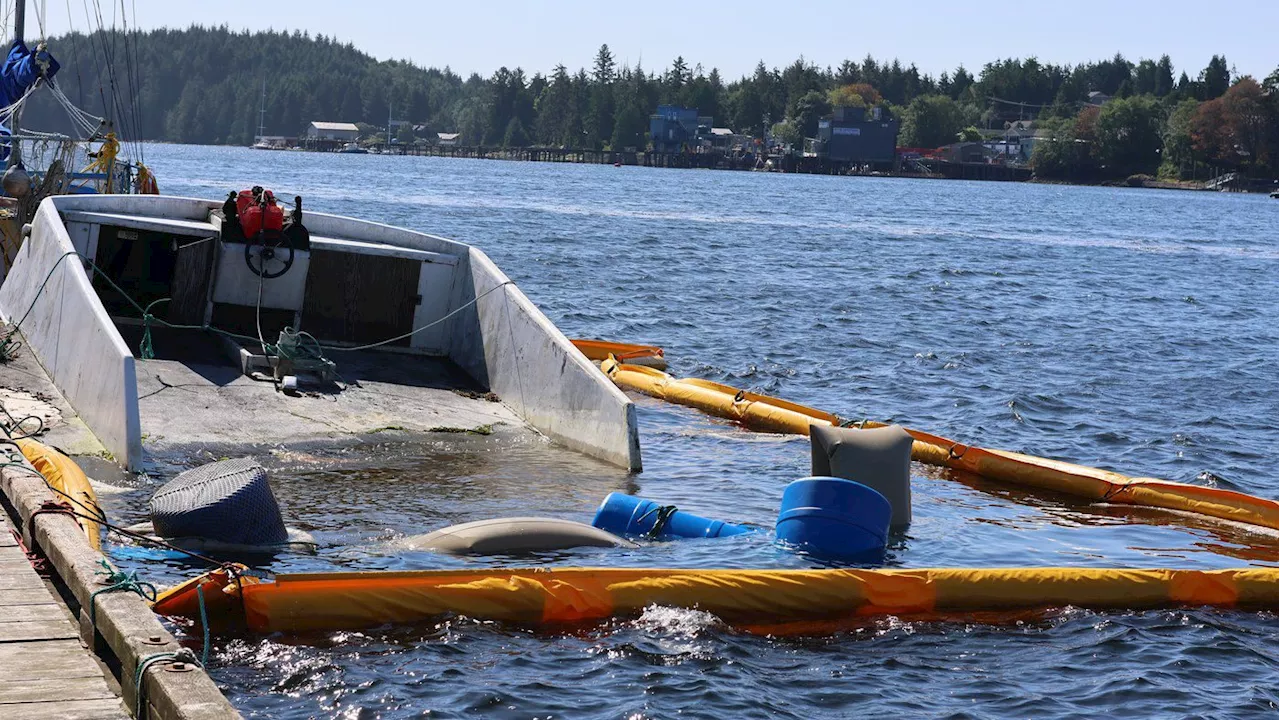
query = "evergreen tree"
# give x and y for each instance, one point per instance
(1215, 78)
(1164, 76)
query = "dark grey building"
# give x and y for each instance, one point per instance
(858, 135)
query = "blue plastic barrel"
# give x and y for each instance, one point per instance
(834, 518)
(629, 515)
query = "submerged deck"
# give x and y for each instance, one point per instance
(191, 394)
(44, 670)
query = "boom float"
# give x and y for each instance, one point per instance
(768, 414)
(743, 598)
(68, 482)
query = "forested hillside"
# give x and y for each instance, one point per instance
(204, 85)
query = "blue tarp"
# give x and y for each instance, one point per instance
(20, 71)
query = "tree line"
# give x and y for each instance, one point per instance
(205, 85)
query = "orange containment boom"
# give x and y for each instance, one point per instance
(769, 414)
(68, 483)
(647, 355)
(744, 598)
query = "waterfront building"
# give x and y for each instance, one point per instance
(855, 135)
(674, 129)
(336, 131)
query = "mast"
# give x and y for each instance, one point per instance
(15, 146)
(388, 125)
(262, 112)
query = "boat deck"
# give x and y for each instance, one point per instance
(192, 394)
(44, 670)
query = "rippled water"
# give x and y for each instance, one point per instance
(1134, 330)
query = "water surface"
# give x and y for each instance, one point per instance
(1134, 330)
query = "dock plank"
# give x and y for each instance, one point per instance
(44, 612)
(24, 596)
(104, 709)
(37, 630)
(12, 552)
(26, 579)
(23, 661)
(53, 690)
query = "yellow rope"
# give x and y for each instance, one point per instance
(105, 159)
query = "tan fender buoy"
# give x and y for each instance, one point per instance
(514, 535)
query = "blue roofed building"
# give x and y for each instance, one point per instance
(674, 129)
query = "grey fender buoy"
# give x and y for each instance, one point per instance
(229, 501)
(514, 535)
(879, 458)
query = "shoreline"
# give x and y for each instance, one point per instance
(720, 161)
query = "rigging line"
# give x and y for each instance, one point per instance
(133, 71)
(41, 10)
(109, 55)
(61, 97)
(130, 101)
(81, 118)
(75, 49)
(92, 37)
(108, 58)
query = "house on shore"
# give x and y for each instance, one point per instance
(966, 152)
(1099, 98)
(333, 131)
(448, 139)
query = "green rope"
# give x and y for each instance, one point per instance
(145, 663)
(118, 582)
(145, 348)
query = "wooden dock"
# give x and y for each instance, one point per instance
(44, 670)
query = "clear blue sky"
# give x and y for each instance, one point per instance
(936, 36)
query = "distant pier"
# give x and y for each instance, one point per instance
(709, 160)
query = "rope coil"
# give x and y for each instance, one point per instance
(118, 581)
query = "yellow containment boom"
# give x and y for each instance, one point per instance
(768, 414)
(647, 355)
(68, 482)
(748, 599)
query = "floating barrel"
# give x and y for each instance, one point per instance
(515, 535)
(229, 501)
(629, 515)
(834, 518)
(879, 458)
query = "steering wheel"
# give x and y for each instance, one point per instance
(269, 253)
